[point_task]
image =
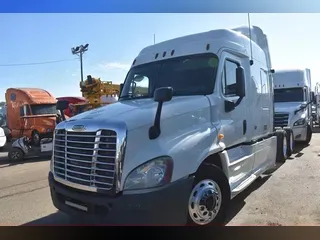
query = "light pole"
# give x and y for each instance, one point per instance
(79, 50)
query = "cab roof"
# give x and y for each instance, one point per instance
(35, 95)
(210, 41)
(290, 78)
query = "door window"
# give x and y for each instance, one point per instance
(229, 78)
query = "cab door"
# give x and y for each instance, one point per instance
(234, 120)
(25, 122)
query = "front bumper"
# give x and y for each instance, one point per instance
(165, 206)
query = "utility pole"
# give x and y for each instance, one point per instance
(154, 39)
(79, 50)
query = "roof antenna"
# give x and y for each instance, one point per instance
(251, 60)
(154, 39)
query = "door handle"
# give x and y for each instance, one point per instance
(244, 124)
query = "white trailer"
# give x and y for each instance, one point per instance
(192, 129)
(293, 98)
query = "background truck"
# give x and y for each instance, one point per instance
(193, 127)
(293, 98)
(71, 101)
(314, 113)
(317, 103)
(31, 112)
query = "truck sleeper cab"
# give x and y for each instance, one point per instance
(31, 112)
(293, 102)
(193, 128)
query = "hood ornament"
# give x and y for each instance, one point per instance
(78, 128)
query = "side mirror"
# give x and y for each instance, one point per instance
(241, 86)
(121, 87)
(163, 94)
(138, 78)
(302, 106)
(62, 105)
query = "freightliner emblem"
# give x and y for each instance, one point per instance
(78, 128)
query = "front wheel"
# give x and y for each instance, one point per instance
(209, 197)
(16, 154)
(282, 146)
(290, 141)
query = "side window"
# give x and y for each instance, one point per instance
(264, 82)
(229, 78)
(140, 86)
(13, 97)
(27, 110)
(21, 111)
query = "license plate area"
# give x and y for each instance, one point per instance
(88, 208)
(78, 206)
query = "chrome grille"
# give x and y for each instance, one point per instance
(86, 158)
(281, 119)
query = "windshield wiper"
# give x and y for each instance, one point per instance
(130, 97)
(125, 97)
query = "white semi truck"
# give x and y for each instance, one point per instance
(293, 98)
(193, 128)
(317, 104)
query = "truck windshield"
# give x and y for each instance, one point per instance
(289, 95)
(188, 75)
(42, 109)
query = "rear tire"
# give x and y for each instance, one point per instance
(290, 142)
(209, 197)
(15, 155)
(282, 141)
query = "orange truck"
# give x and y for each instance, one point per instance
(31, 112)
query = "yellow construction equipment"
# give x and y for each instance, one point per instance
(97, 92)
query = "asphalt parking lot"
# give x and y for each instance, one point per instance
(288, 196)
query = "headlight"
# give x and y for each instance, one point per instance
(300, 122)
(154, 173)
(49, 130)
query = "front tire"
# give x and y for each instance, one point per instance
(282, 149)
(15, 155)
(209, 197)
(290, 141)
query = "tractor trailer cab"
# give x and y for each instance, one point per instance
(193, 127)
(293, 98)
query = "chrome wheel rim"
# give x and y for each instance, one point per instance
(205, 202)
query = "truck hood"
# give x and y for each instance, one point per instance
(140, 112)
(288, 107)
(47, 122)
